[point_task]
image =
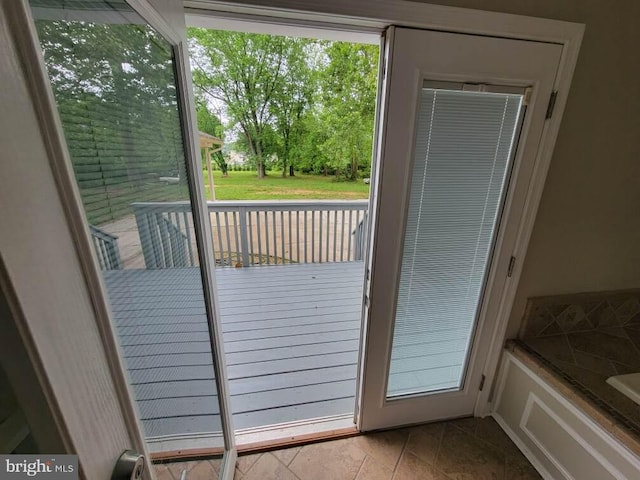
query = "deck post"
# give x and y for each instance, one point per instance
(144, 232)
(244, 243)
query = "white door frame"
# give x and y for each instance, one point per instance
(376, 16)
(39, 157)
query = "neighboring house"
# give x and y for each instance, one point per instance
(57, 346)
(237, 158)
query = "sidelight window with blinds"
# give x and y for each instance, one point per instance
(464, 143)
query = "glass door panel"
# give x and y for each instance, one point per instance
(451, 192)
(114, 81)
(463, 146)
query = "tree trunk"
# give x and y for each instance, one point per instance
(326, 172)
(260, 161)
(291, 172)
(354, 168)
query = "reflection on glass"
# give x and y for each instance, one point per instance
(462, 156)
(114, 85)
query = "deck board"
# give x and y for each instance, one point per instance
(291, 338)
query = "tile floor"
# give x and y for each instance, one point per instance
(465, 449)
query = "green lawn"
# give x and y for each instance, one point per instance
(246, 186)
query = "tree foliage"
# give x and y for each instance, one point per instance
(210, 123)
(244, 71)
(309, 104)
(115, 90)
(349, 96)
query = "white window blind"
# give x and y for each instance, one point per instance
(463, 149)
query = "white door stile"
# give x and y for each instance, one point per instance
(384, 63)
(566, 67)
(204, 238)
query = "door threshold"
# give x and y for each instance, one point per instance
(295, 433)
(270, 437)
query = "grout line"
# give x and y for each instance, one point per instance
(435, 459)
(296, 455)
(252, 465)
(568, 342)
(404, 447)
(361, 465)
(286, 466)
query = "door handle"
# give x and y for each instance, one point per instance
(129, 466)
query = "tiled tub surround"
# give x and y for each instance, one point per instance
(580, 341)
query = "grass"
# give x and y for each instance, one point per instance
(246, 186)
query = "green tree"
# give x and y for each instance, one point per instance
(292, 99)
(245, 72)
(210, 123)
(308, 150)
(349, 99)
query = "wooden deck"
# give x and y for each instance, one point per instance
(291, 335)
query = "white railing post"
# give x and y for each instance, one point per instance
(244, 242)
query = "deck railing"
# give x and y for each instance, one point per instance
(248, 233)
(106, 247)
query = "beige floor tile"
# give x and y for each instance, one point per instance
(424, 441)
(463, 457)
(489, 431)
(373, 470)
(412, 468)
(385, 447)
(518, 470)
(245, 462)
(468, 424)
(162, 472)
(336, 460)
(464, 449)
(202, 470)
(286, 455)
(176, 468)
(268, 467)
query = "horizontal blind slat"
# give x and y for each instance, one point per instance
(462, 153)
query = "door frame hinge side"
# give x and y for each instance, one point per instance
(551, 105)
(512, 264)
